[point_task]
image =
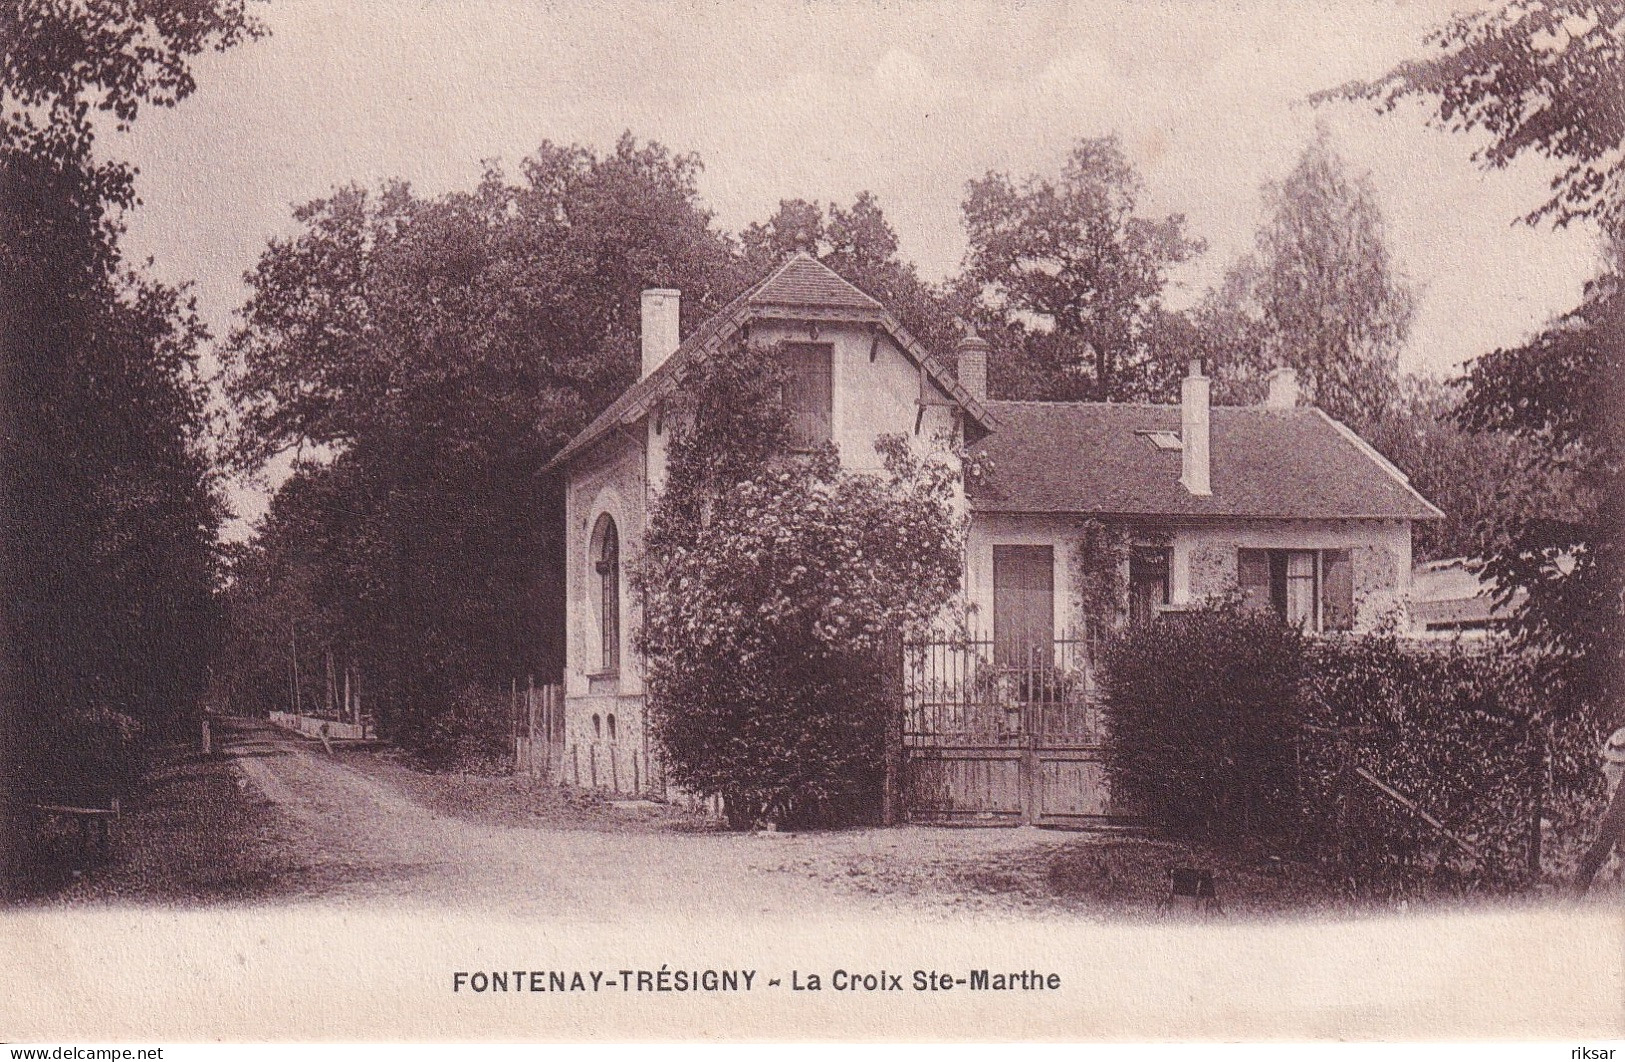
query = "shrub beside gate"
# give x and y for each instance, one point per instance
(1376, 752)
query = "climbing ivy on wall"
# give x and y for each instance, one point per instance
(1100, 575)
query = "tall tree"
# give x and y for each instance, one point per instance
(107, 508)
(1547, 77)
(1321, 291)
(1482, 480)
(1564, 391)
(1072, 266)
(1539, 76)
(427, 356)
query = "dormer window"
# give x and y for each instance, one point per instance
(809, 393)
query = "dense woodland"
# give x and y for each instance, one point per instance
(419, 358)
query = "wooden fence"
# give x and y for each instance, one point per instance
(538, 730)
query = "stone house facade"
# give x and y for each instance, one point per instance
(1084, 514)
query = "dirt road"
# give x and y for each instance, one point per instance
(277, 819)
(354, 835)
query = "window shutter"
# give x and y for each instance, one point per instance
(809, 393)
(1253, 577)
(1337, 582)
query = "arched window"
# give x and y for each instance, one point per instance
(607, 563)
(610, 720)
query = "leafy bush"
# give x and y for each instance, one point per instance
(1448, 726)
(473, 734)
(1200, 709)
(92, 753)
(1224, 723)
(769, 580)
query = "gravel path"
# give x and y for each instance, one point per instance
(361, 838)
(277, 819)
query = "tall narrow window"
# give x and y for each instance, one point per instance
(809, 393)
(1301, 583)
(1147, 582)
(1336, 590)
(1253, 574)
(607, 564)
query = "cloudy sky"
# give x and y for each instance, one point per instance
(906, 99)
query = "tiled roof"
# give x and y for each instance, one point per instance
(1092, 457)
(805, 281)
(1452, 592)
(800, 285)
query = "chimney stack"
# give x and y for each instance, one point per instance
(972, 353)
(1283, 384)
(1194, 430)
(661, 309)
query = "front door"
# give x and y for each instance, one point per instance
(1023, 605)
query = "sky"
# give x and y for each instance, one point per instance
(908, 100)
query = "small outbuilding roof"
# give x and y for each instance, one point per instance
(1101, 458)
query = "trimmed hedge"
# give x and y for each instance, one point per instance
(1197, 708)
(1225, 724)
(1450, 727)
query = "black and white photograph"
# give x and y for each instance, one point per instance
(871, 520)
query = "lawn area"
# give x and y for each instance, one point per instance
(194, 833)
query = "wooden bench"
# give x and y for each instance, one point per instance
(95, 823)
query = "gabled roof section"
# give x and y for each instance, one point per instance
(1095, 458)
(803, 281)
(801, 287)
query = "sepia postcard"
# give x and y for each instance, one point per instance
(870, 520)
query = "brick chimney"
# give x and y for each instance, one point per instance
(1194, 431)
(1283, 393)
(661, 310)
(972, 353)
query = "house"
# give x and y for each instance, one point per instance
(1084, 513)
(1279, 504)
(1450, 598)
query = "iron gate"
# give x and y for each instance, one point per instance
(1011, 735)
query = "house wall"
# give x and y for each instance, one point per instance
(869, 398)
(1204, 557)
(608, 479)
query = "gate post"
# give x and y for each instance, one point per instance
(892, 752)
(1031, 780)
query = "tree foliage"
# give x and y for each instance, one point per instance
(1320, 293)
(1547, 77)
(1483, 481)
(1072, 269)
(108, 509)
(1564, 392)
(426, 356)
(767, 582)
(1541, 76)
